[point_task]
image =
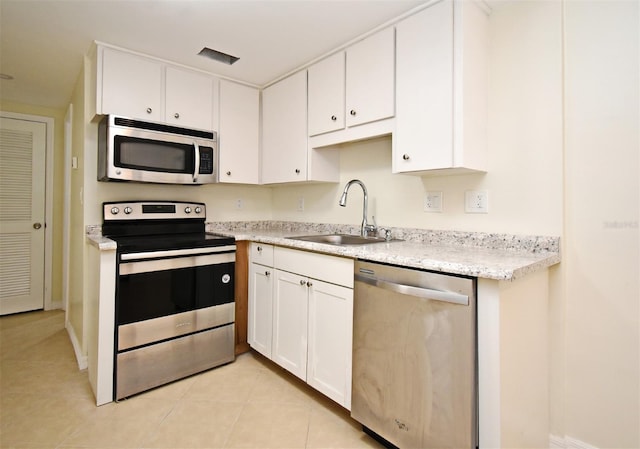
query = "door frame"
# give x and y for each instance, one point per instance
(48, 304)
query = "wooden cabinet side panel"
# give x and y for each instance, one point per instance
(241, 293)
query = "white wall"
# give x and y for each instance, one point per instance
(601, 223)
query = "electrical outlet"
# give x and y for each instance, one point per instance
(300, 203)
(433, 202)
(239, 204)
(476, 201)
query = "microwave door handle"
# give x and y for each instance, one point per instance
(196, 169)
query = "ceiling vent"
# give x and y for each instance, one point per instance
(217, 56)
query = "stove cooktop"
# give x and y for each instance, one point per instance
(164, 242)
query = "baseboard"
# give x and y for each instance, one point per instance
(77, 347)
(54, 305)
(556, 442)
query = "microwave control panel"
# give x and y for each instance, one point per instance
(206, 161)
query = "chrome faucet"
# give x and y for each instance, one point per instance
(364, 228)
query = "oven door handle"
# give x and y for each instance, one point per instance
(177, 252)
(148, 266)
(196, 170)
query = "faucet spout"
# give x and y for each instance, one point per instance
(364, 228)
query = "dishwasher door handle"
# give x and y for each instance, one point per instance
(420, 292)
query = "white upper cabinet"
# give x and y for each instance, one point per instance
(284, 130)
(441, 82)
(189, 98)
(370, 79)
(326, 95)
(238, 136)
(131, 86)
(143, 88)
(353, 88)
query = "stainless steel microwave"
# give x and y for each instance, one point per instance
(135, 150)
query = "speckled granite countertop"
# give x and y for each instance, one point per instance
(485, 255)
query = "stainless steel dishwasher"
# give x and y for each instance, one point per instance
(414, 357)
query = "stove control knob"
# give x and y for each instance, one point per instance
(198, 209)
(128, 210)
(114, 210)
(187, 210)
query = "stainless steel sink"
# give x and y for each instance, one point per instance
(339, 239)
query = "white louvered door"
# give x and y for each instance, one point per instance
(22, 213)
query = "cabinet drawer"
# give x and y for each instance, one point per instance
(261, 253)
(336, 270)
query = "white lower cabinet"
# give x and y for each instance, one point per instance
(301, 316)
(329, 340)
(259, 333)
(290, 312)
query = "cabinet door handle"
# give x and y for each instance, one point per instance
(334, 118)
(405, 157)
(303, 282)
(176, 115)
(228, 173)
(352, 112)
(309, 284)
(259, 249)
(297, 171)
(267, 273)
(149, 110)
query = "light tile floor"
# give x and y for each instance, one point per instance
(46, 402)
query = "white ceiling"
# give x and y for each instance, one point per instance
(42, 42)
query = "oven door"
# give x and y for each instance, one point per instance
(165, 294)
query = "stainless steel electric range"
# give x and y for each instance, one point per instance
(174, 308)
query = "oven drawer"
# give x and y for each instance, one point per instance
(170, 326)
(151, 366)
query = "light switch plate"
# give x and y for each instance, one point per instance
(433, 202)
